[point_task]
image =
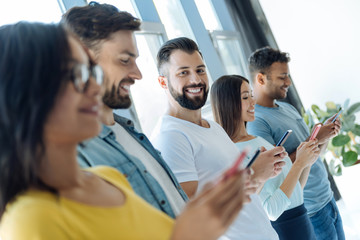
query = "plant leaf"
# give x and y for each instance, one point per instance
(353, 109)
(346, 104)
(349, 158)
(348, 122)
(316, 110)
(357, 147)
(338, 170)
(330, 106)
(340, 140)
(356, 130)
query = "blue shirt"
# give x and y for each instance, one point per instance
(273, 199)
(271, 124)
(105, 150)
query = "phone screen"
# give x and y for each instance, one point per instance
(284, 137)
(337, 115)
(252, 160)
(315, 132)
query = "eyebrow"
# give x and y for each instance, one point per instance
(245, 92)
(186, 67)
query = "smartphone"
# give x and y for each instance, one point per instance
(235, 167)
(252, 160)
(315, 132)
(284, 137)
(337, 115)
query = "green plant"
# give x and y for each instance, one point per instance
(345, 147)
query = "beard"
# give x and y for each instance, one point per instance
(185, 102)
(114, 100)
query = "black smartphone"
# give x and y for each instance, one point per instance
(284, 137)
(252, 160)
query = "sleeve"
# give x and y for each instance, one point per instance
(35, 222)
(274, 203)
(259, 127)
(177, 152)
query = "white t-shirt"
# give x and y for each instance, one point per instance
(273, 199)
(134, 148)
(195, 153)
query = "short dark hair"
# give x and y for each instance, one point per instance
(34, 60)
(225, 98)
(97, 22)
(182, 43)
(261, 60)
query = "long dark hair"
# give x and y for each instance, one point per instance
(34, 59)
(226, 102)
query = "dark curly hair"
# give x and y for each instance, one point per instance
(97, 22)
(261, 60)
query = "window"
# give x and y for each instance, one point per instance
(34, 11)
(228, 47)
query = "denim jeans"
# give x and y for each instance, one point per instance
(327, 223)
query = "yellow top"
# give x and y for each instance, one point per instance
(43, 215)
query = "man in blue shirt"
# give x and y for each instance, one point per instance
(270, 79)
(109, 35)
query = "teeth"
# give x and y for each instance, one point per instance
(251, 111)
(194, 90)
(127, 87)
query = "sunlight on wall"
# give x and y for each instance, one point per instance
(323, 39)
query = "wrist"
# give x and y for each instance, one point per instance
(299, 164)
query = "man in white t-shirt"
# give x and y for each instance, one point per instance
(199, 150)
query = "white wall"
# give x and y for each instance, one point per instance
(323, 39)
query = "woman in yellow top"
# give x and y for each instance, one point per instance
(49, 103)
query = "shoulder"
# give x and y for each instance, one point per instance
(27, 215)
(287, 106)
(110, 174)
(169, 129)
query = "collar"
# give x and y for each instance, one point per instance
(106, 131)
(123, 121)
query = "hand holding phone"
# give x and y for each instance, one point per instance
(284, 137)
(315, 132)
(252, 160)
(235, 167)
(337, 115)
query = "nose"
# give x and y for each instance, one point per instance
(93, 89)
(288, 81)
(195, 78)
(253, 101)
(135, 73)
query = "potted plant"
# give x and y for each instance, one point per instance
(345, 147)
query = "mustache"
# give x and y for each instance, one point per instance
(195, 86)
(127, 80)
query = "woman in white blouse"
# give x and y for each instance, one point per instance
(233, 105)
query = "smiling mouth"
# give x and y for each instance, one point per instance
(92, 110)
(194, 90)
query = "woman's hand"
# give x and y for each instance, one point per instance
(269, 164)
(307, 153)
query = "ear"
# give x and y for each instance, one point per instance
(163, 82)
(260, 79)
